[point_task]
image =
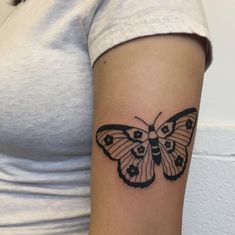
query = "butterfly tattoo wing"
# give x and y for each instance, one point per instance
(174, 136)
(130, 147)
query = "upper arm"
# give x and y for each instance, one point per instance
(141, 78)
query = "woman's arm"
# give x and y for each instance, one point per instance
(144, 77)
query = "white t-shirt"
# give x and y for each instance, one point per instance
(47, 50)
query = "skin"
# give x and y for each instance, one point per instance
(141, 78)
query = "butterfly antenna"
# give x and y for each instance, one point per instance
(157, 118)
(141, 120)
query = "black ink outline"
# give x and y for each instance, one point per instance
(171, 170)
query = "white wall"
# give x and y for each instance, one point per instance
(218, 101)
(210, 196)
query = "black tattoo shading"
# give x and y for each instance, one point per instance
(137, 150)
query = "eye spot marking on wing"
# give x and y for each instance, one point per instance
(138, 152)
(132, 170)
(138, 134)
(108, 140)
(189, 124)
(179, 161)
(165, 129)
(141, 149)
(167, 144)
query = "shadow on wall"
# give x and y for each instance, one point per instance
(5, 10)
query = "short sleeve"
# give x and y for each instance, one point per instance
(118, 21)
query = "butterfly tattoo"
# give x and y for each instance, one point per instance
(137, 151)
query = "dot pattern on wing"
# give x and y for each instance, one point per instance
(137, 172)
(130, 147)
(174, 140)
(174, 163)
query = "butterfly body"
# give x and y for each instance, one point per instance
(153, 141)
(138, 151)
